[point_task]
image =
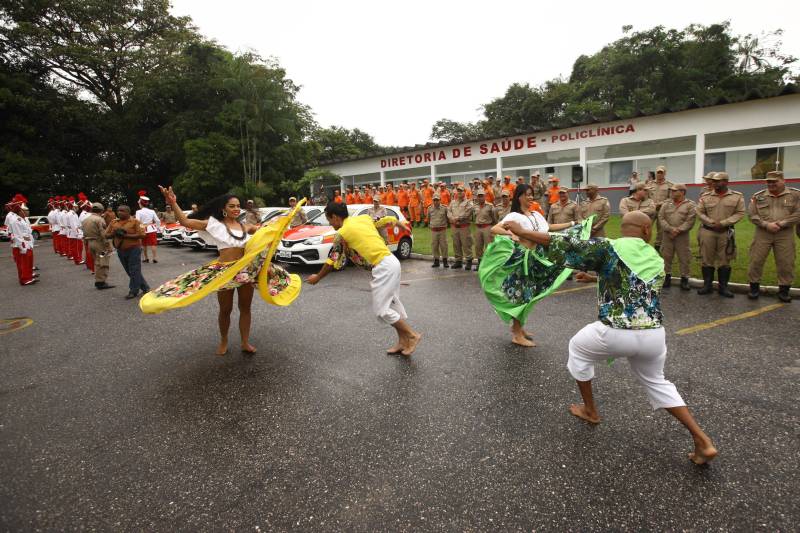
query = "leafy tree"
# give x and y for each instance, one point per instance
(100, 46)
(452, 131)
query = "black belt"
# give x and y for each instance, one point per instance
(709, 228)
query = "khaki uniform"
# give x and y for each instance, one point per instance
(251, 217)
(484, 220)
(539, 190)
(298, 219)
(560, 214)
(659, 193)
(497, 191)
(438, 222)
(460, 213)
(601, 208)
(500, 212)
(378, 214)
(727, 209)
(681, 217)
(646, 206)
(785, 210)
(94, 232)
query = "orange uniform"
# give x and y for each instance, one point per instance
(413, 204)
(552, 194)
(367, 198)
(338, 199)
(534, 206)
(402, 199)
(511, 187)
(358, 198)
(350, 198)
(427, 200)
(468, 193)
(487, 188)
(390, 198)
(444, 196)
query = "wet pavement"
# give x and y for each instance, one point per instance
(110, 419)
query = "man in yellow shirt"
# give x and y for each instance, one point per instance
(359, 241)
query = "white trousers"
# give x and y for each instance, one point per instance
(385, 287)
(645, 350)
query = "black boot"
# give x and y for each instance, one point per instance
(468, 265)
(445, 263)
(103, 285)
(667, 281)
(724, 276)
(457, 264)
(755, 291)
(783, 294)
(708, 281)
(685, 284)
(435, 263)
(477, 265)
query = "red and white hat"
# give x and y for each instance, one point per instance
(83, 200)
(17, 201)
(143, 199)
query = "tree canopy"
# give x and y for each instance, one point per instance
(642, 72)
(112, 96)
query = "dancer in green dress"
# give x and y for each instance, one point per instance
(515, 273)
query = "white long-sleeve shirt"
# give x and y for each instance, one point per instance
(19, 229)
(52, 218)
(62, 222)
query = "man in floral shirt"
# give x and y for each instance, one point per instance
(630, 274)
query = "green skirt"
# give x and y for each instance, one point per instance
(515, 277)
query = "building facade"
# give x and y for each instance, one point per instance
(745, 139)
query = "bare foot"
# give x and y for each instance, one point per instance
(396, 349)
(248, 348)
(411, 344)
(222, 349)
(527, 334)
(703, 453)
(522, 340)
(580, 411)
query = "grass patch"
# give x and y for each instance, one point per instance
(744, 236)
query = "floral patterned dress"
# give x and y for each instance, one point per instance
(514, 277)
(275, 285)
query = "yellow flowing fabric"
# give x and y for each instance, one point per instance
(265, 239)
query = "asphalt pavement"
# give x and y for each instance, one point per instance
(113, 420)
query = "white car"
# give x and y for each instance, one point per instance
(310, 243)
(311, 211)
(193, 239)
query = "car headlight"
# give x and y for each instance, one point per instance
(311, 241)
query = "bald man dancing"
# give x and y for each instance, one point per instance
(630, 274)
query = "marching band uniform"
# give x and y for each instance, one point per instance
(21, 240)
(148, 218)
(51, 219)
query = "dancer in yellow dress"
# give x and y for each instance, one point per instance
(244, 263)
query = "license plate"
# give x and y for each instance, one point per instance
(284, 254)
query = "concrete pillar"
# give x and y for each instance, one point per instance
(433, 173)
(499, 167)
(582, 163)
(700, 157)
(383, 177)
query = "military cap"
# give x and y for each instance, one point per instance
(661, 168)
(774, 175)
(678, 187)
(437, 197)
(719, 176)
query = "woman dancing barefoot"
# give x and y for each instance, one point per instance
(516, 273)
(218, 222)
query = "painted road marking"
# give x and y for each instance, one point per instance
(728, 319)
(10, 325)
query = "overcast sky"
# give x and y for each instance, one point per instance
(393, 68)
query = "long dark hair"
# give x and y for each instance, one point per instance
(519, 192)
(213, 208)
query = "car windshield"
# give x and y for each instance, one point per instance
(322, 220)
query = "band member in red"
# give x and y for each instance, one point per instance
(148, 218)
(21, 240)
(74, 232)
(51, 219)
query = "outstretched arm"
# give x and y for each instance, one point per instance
(313, 279)
(185, 221)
